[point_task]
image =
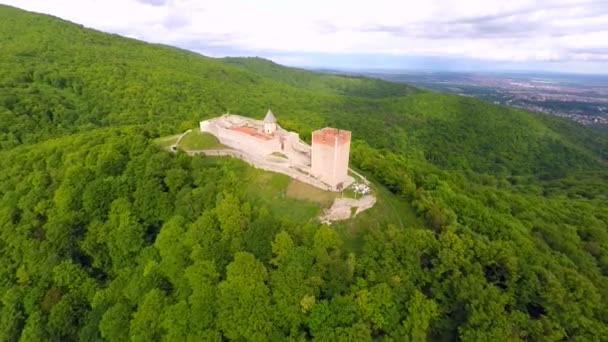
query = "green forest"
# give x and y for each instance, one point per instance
(491, 222)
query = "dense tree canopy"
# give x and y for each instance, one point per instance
(502, 215)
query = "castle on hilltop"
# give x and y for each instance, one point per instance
(324, 164)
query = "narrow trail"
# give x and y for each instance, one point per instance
(181, 136)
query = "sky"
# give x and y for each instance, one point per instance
(452, 35)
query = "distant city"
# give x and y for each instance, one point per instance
(582, 98)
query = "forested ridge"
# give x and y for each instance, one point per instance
(336, 84)
(498, 225)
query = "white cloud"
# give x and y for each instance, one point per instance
(515, 30)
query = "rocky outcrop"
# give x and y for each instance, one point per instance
(345, 208)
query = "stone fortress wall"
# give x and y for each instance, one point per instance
(266, 145)
(239, 140)
(269, 164)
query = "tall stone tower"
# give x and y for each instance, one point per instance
(330, 151)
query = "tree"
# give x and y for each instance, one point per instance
(294, 289)
(151, 204)
(420, 312)
(281, 246)
(231, 219)
(74, 279)
(146, 322)
(175, 321)
(175, 179)
(34, 329)
(379, 307)
(11, 315)
(259, 234)
(67, 316)
(125, 236)
(244, 310)
(114, 324)
(174, 254)
(203, 278)
(326, 239)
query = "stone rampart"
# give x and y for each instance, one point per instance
(295, 172)
(244, 135)
(239, 140)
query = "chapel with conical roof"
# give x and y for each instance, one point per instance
(270, 123)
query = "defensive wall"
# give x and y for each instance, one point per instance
(324, 165)
(269, 163)
(242, 138)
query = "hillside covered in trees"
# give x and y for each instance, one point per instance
(492, 222)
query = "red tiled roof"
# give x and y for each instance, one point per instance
(251, 131)
(329, 136)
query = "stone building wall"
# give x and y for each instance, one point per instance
(293, 171)
(324, 164)
(330, 155)
(240, 140)
(322, 160)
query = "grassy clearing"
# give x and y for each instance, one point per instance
(395, 209)
(196, 140)
(166, 142)
(271, 190)
(193, 140)
(307, 192)
(389, 209)
(268, 189)
(350, 193)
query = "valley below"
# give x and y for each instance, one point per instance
(581, 98)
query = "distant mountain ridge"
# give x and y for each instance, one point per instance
(339, 84)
